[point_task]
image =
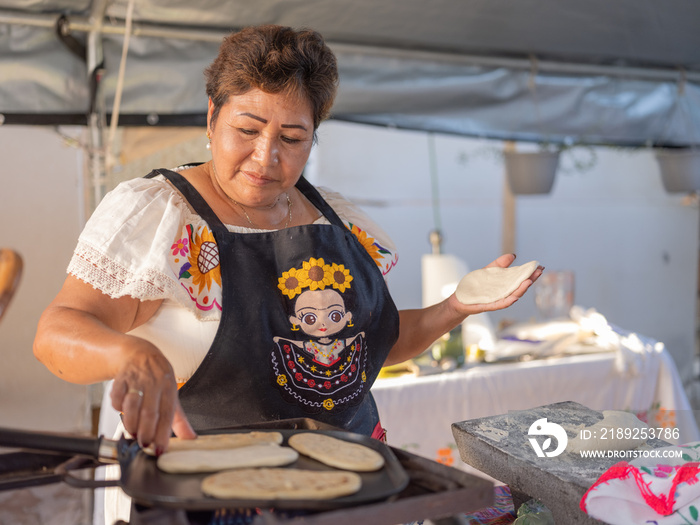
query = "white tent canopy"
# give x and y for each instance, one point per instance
(596, 72)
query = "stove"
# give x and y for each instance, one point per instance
(434, 491)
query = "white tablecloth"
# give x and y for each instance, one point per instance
(418, 411)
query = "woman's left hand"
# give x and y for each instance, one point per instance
(419, 328)
(504, 261)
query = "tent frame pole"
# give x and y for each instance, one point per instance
(96, 117)
(82, 24)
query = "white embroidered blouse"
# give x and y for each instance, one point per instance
(145, 241)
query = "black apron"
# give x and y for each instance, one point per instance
(306, 324)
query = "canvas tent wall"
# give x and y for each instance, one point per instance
(597, 72)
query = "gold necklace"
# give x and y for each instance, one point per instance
(289, 212)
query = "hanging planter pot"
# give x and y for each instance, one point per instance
(531, 172)
(680, 169)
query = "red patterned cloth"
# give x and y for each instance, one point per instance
(662, 486)
(501, 513)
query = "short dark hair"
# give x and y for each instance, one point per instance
(274, 59)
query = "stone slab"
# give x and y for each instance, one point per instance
(499, 447)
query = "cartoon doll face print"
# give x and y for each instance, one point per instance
(320, 313)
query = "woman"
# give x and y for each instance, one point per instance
(216, 275)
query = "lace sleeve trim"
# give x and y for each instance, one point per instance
(111, 278)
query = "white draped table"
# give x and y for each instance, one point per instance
(418, 411)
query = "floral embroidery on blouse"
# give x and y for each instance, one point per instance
(180, 246)
(375, 250)
(196, 259)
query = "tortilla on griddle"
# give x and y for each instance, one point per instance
(221, 441)
(281, 483)
(194, 461)
(336, 452)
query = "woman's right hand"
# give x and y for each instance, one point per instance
(145, 392)
(82, 337)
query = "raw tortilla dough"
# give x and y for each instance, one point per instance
(193, 461)
(281, 483)
(608, 428)
(221, 441)
(337, 453)
(491, 284)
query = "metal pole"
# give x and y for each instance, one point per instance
(96, 117)
(509, 211)
(80, 24)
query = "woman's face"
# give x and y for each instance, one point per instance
(260, 143)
